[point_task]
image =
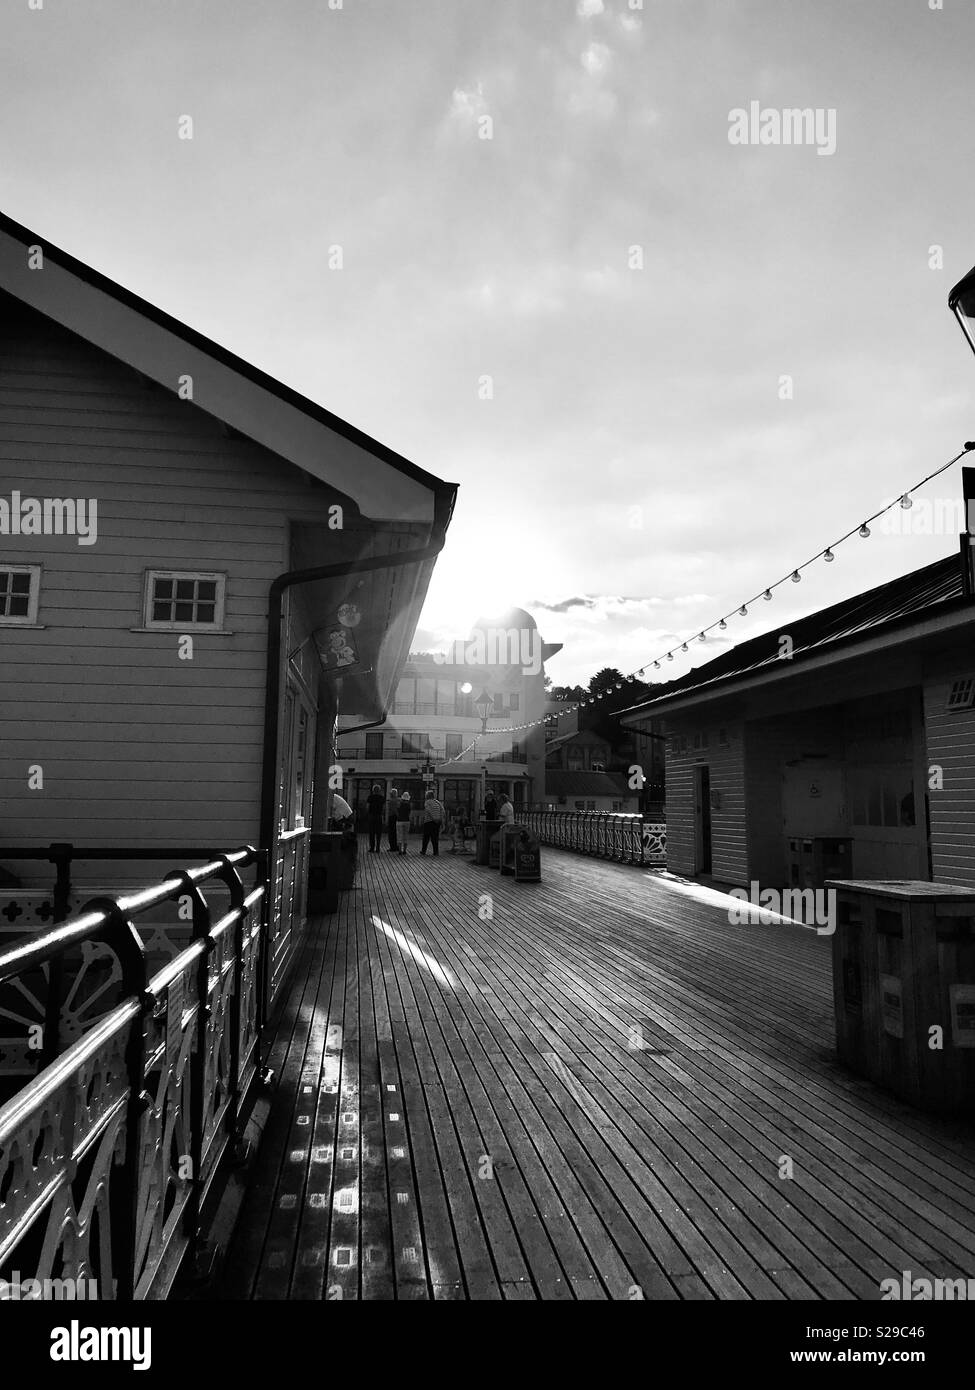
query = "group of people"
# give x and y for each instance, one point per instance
(396, 810)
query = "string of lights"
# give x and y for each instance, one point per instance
(794, 576)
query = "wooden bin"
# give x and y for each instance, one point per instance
(904, 968)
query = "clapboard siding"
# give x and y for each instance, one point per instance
(137, 747)
(950, 739)
(680, 814)
(726, 764)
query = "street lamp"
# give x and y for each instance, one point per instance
(484, 705)
(961, 302)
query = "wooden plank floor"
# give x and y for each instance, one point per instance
(585, 1088)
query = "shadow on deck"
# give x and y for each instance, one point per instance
(584, 1088)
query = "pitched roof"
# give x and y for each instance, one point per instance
(559, 783)
(234, 391)
(936, 588)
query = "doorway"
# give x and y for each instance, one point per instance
(702, 820)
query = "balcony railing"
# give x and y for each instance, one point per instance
(357, 753)
(629, 839)
(107, 1155)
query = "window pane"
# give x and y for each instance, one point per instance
(21, 583)
(184, 588)
(161, 613)
(18, 606)
(183, 612)
(205, 612)
(207, 589)
(163, 588)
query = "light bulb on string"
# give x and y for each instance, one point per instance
(907, 501)
(864, 531)
(722, 625)
(683, 647)
(828, 556)
(743, 612)
(670, 656)
(767, 595)
(795, 576)
(656, 665)
(701, 637)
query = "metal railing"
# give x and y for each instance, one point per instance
(107, 1155)
(420, 755)
(628, 839)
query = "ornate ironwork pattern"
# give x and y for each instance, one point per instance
(627, 839)
(106, 1154)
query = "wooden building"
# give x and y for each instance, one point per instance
(199, 571)
(853, 756)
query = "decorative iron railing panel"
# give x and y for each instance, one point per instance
(627, 839)
(107, 1154)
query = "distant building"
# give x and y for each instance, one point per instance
(577, 775)
(854, 756)
(431, 735)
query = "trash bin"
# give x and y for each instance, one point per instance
(485, 829)
(528, 859)
(813, 860)
(510, 835)
(328, 870)
(494, 850)
(904, 989)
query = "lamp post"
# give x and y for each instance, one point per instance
(484, 705)
(961, 302)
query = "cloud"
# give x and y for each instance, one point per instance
(586, 9)
(467, 106)
(595, 59)
(565, 604)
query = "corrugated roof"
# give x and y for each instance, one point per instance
(912, 595)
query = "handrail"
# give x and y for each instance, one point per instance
(156, 1083)
(82, 927)
(34, 1096)
(623, 836)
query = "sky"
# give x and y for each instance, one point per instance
(664, 368)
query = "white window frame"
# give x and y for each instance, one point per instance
(151, 624)
(30, 618)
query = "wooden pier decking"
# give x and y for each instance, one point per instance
(584, 1088)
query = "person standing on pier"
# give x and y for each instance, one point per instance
(375, 806)
(392, 816)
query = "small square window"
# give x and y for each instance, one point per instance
(20, 587)
(962, 694)
(181, 601)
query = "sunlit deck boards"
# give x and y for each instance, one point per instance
(464, 1110)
